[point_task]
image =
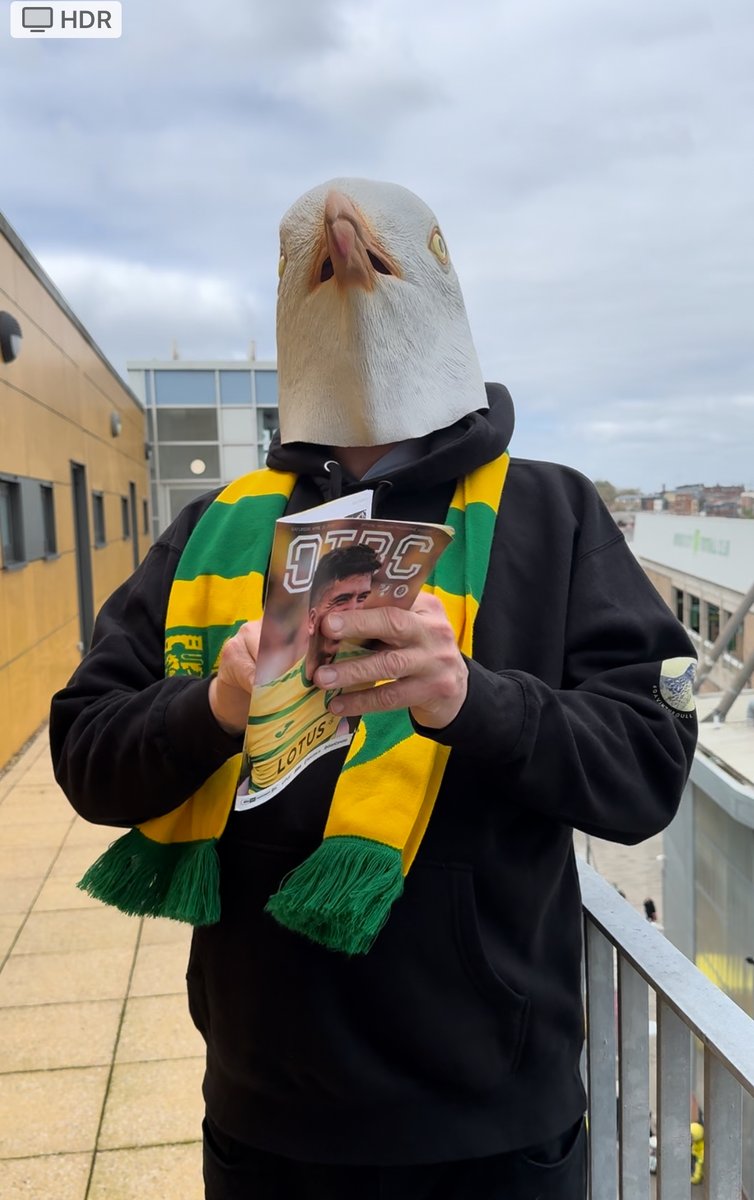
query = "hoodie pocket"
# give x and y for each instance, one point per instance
(512, 1007)
(425, 1005)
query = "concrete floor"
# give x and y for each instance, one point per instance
(100, 1065)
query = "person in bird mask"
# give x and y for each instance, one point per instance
(386, 960)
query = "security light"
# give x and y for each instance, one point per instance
(10, 337)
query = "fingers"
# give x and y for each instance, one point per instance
(238, 661)
(387, 624)
(230, 691)
(419, 655)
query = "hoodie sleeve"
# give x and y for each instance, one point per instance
(128, 744)
(609, 751)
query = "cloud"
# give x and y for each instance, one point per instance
(136, 304)
(592, 167)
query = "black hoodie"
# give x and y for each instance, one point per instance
(459, 1034)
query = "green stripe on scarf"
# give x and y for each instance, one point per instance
(342, 894)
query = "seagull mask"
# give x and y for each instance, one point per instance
(374, 345)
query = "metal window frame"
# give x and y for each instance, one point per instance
(50, 527)
(10, 486)
(98, 506)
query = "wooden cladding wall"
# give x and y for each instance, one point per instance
(57, 401)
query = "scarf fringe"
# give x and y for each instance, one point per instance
(342, 894)
(143, 878)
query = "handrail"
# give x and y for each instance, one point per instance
(712, 1016)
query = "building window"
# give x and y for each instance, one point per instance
(185, 387)
(188, 462)
(266, 387)
(235, 387)
(239, 460)
(713, 622)
(187, 424)
(239, 425)
(11, 529)
(145, 516)
(678, 603)
(267, 423)
(125, 516)
(98, 515)
(694, 613)
(180, 497)
(735, 645)
(50, 540)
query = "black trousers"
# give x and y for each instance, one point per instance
(556, 1170)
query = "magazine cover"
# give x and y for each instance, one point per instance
(321, 564)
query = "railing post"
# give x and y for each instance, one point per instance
(722, 1131)
(633, 1073)
(674, 1096)
(600, 977)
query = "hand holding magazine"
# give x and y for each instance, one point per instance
(332, 558)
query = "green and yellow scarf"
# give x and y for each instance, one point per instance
(342, 894)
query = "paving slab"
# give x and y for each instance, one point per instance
(153, 1103)
(51, 1177)
(51, 1036)
(50, 1112)
(167, 1172)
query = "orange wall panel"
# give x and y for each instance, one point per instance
(56, 402)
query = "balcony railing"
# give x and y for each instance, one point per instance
(626, 959)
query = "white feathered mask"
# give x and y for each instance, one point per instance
(374, 345)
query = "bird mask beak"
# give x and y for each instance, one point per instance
(353, 254)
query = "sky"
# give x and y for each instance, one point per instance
(591, 163)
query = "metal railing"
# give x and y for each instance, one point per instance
(625, 959)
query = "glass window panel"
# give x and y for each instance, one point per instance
(145, 516)
(694, 613)
(175, 462)
(48, 519)
(238, 425)
(125, 516)
(235, 387)
(266, 384)
(678, 603)
(98, 518)
(238, 460)
(267, 423)
(10, 523)
(736, 643)
(185, 387)
(180, 497)
(187, 425)
(713, 622)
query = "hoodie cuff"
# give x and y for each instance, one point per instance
(192, 731)
(491, 721)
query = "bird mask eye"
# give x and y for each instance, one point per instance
(281, 265)
(438, 247)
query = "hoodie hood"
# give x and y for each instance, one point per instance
(439, 457)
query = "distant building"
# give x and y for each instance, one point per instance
(702, 567)
(653, 502)
(74, 489)
(627, 502)
(209, 422)
(721, 501)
